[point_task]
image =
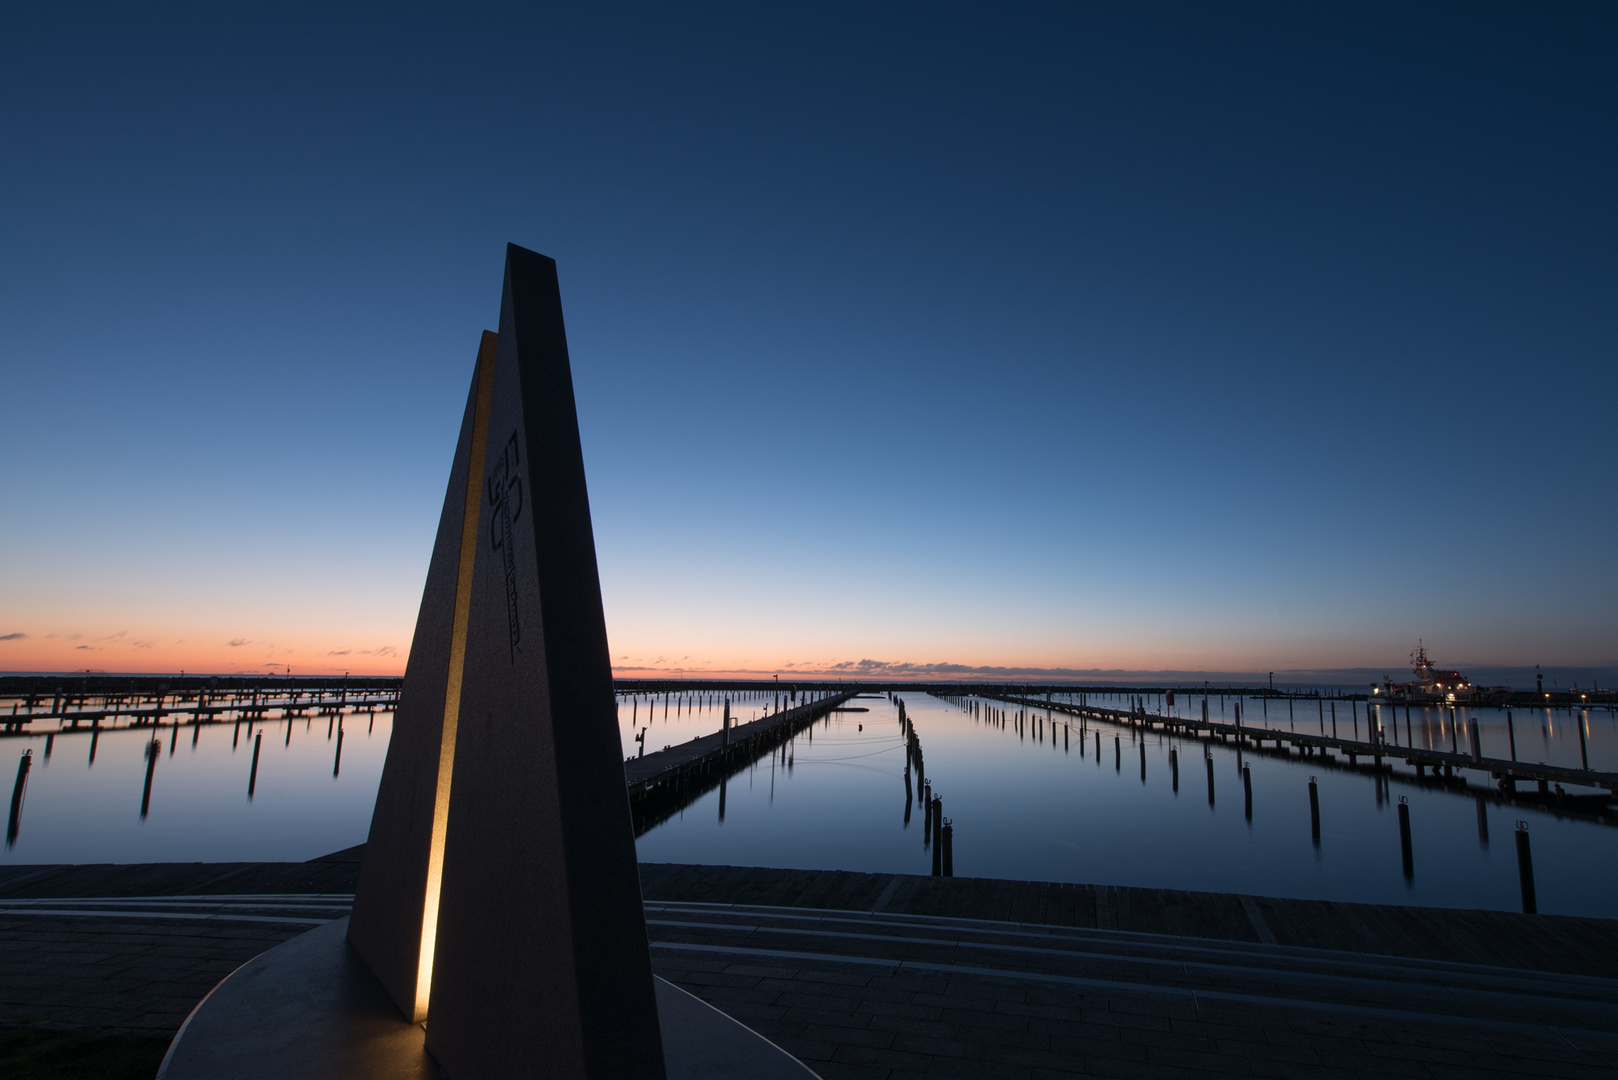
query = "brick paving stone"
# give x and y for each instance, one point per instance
(1200, 1058)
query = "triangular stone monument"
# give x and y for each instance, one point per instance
(500, 898)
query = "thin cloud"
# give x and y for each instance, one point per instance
(236, 643)
(12, 637)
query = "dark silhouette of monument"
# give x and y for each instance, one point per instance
(499, 899)
(507, 728)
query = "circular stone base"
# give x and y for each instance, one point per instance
(311, 1008)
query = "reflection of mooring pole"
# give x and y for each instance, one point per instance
(252, 776)
(1525, 870)
(153, 748)
(1314, 812)
(23, 766)
(1404, 841)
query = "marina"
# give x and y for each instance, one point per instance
(1092, 786)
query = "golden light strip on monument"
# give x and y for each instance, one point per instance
(457, 665)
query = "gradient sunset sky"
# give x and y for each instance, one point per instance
(1236, 337)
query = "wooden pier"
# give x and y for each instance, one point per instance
(155, 704)
(662, 782)
(1506, 772)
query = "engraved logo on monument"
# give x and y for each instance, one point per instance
(505, 507)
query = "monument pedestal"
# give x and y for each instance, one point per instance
(311, 1008)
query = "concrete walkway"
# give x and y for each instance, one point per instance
(859, 981)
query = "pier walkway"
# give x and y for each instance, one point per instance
(198, 706)
(888, 976)
(1508, 772)
(672, 776)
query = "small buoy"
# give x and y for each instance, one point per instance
(862, 727)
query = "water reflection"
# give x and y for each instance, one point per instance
(136, 797)
(1029, 795)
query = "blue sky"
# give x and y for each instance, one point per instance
(1236, 337)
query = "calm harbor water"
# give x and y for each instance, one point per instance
(1030, 803)
(305, 802)
(1038, 806)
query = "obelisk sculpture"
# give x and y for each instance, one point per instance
(503, 799)
(395, 917)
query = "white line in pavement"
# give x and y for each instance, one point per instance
(125, 900)
(192, 915)
(340, 898)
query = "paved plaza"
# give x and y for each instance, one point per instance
(860, 980)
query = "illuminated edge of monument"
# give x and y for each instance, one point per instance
(497, 928)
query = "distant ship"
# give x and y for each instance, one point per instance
(1433, 686)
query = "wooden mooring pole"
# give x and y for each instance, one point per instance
(1525, 870)
(1405, 851)
(1314, 812)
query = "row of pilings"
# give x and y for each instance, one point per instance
(1136, 717)
(938, 831)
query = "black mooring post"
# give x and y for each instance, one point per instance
(16, 796)
(252, 775)
(1404, 841)
(1174, 768)
(938, 828)
(946, 837)
(1208, 760)
(1143, 761)
(1525, 870)
(1314, 812)
(1117, 754)
(1511, 734)
(1247, 790)
(153, 749)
